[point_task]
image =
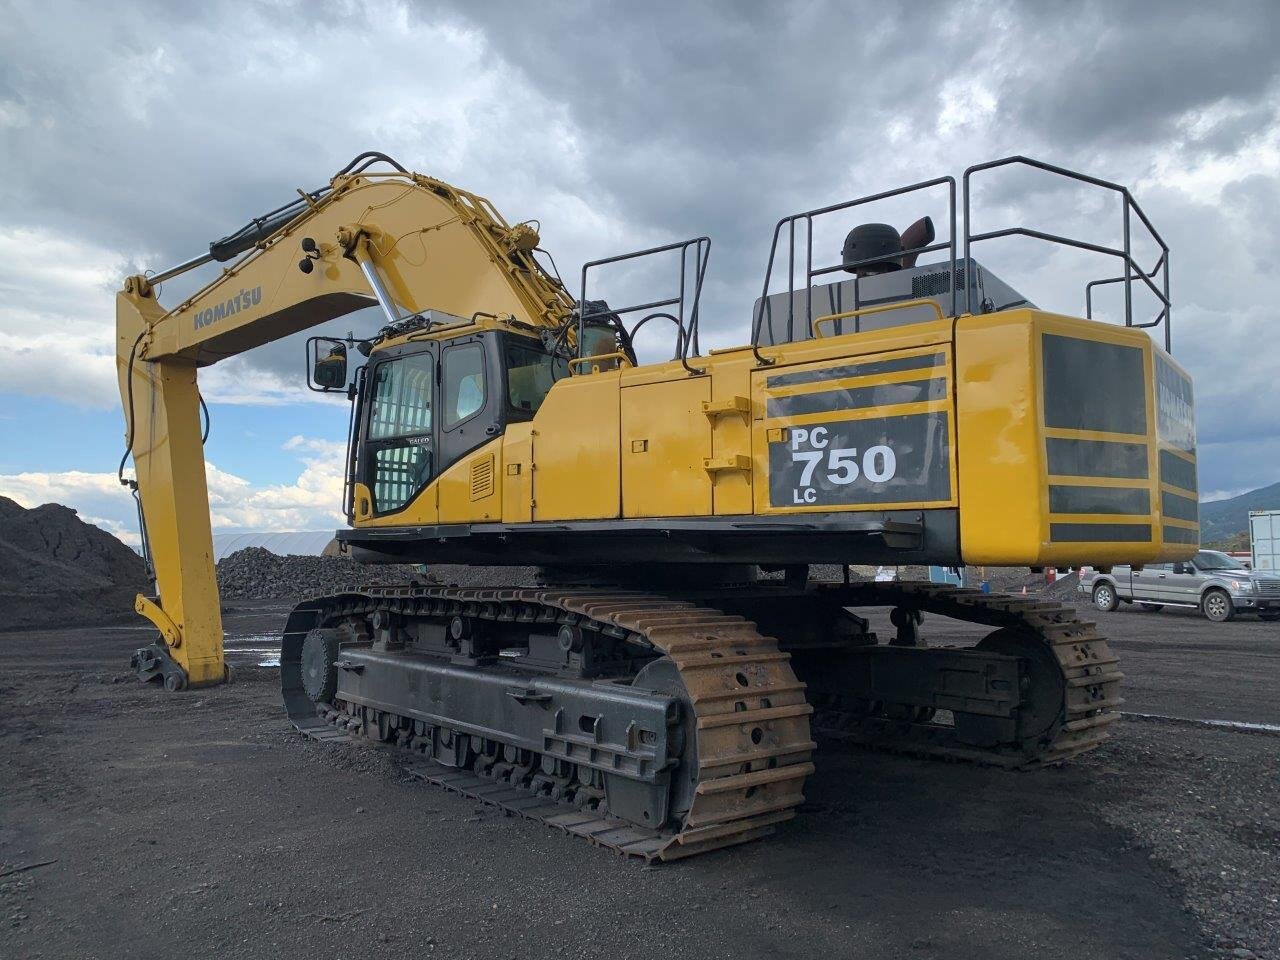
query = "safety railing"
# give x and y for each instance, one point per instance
(816, 330)
(765, 310)
(685, 302)
(1132, 270)
(1088, 287)
(1156, 279)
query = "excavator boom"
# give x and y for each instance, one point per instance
(403, 241)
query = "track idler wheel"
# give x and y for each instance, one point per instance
(319, 655)
(1043, 695)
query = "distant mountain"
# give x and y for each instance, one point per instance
(1222, 518)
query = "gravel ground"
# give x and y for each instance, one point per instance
(196, 824)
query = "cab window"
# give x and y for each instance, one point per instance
(401, 458)
(464, 383)
(530, 376)
(402, 397)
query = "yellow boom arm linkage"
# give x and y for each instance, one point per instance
(403, 240)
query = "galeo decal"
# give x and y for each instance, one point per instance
(241, 301)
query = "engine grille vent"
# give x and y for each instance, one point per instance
(482, 477)
(935, 284)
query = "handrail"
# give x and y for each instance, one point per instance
(1129, 206)
(876, 308)
(810, 272)
(1156, 279)
(1088, 292)
(686, 338)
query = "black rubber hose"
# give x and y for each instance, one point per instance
(208, 420)
(259, 228)
(128, 443)
(370, 157)
(554, 269)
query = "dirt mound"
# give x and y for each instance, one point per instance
(1063, 589)
(57, 570)
(255, 573)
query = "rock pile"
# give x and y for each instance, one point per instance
(255, 573)
(58, 571)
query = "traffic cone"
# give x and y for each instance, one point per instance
(1024, 589)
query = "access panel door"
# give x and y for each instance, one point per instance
(666, 442)
(867, 432)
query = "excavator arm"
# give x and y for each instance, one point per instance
(406, 242)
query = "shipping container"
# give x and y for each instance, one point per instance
(1264, 538)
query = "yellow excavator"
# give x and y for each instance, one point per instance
(659, 689)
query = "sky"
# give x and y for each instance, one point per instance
(133, 134)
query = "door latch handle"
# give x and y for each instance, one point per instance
(349, 665)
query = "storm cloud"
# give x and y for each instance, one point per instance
(133, 135)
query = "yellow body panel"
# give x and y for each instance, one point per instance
(729, 411)
(998, 430)
(1006, 516)
(656, 441)
(470, 490)
(908, 345)
(422, 510)
(516, 479)
(666, 441)
(576, 460)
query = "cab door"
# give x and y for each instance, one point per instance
(471, 409)
(398, 456)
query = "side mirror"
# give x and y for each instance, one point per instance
(1183, 568)
(328, 372)
(331, 372)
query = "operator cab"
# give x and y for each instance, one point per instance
(424, 405)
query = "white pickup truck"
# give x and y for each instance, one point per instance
(1218, 585)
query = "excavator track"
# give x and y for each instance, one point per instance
(748, 723)
(747, 717)
(1090, 682)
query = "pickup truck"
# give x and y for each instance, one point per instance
(1218, 585)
